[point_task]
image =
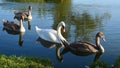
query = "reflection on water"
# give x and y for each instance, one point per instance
(60, 55)
(97, 56)
(20, 42)
(48, 44)
(77, 53)
(26, 1)
(29, 25)
(40, 1)
(83, 19)
(80, 24)
(84, 25)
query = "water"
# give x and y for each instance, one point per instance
(83, 20)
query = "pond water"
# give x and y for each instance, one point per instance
(83, 19)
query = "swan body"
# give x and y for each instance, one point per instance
(26, 15)
(51, 35)
(13, 26)
(85, 48)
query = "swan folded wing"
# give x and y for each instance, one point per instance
(83, 47)
(24, 14)
(91, 44)
(53, 37)
(48, 34)
(11, 26)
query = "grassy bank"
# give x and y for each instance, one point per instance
(102, 64)
(24, 62)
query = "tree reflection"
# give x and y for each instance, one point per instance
(85, 24)
(80, 23)
(38, 1)
(79, 26)
(26, 1)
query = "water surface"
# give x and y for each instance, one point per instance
(83, 20)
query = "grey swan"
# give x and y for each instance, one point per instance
(14, 26)
(26, 15)
(85, 48)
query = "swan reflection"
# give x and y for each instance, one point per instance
(48, 44)
(45, 43)
(20, 42)
(66, 50)
(29, 25)
(21, 39)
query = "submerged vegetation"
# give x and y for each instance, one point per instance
(24, 62)
(102, 64)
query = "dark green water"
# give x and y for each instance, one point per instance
(83, 20)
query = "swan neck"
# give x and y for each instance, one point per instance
(61, 38)
(59, 33)
(22, 29)
(97, 41)
(99, 46)
(21, 24)
(29, 12)
(58, 53)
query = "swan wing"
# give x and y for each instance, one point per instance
(83, 47)
(48, 34)
(13, 26)
(19, 14)
(88, 43)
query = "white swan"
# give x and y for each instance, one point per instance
(52, 35)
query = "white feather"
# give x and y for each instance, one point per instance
(50, 34)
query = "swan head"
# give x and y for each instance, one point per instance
(4, 21)
(62, 24)
(101, 35)
(22, 18)
(30, 8)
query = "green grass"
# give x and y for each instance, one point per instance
(24, 62)
(102, 64)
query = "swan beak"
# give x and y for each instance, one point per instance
(63, 30)
(103, 39)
